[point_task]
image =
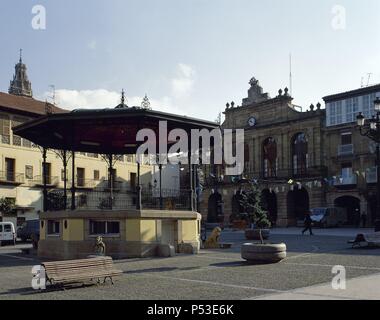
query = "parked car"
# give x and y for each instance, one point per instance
(7, 233)
(328, 217)
(29, 228)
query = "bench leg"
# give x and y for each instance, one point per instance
(105, 279)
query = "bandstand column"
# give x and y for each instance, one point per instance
(73, 182)
(44, 178)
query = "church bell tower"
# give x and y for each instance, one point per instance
(20, 85)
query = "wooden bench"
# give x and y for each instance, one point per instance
(371, 240)
(80, 271)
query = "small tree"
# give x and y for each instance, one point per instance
(7, 205)
(251, 201)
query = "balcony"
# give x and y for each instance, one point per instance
(345, 150)
(101, 185)
(280, 174)
(371, 175)
(116, 185)
(84, 184)
(351, 180)
(11, 178)
(38, 181)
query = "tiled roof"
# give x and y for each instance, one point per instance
(27, 105)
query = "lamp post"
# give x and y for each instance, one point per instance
(371, 129)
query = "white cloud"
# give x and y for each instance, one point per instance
(102, 98)
(181, 86)
(183, 83)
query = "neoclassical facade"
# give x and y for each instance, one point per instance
(283, 151)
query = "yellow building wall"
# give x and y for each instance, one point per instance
(148, 230)
(132, 230)
(74, 230)
(189, 230)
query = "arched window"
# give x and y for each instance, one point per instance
(300, 154)
(270, 158)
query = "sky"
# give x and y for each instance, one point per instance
(190, 57)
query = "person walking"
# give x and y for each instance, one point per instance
(308, 223)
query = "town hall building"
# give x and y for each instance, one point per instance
(282, 152)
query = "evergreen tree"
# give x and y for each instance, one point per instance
(253, 206)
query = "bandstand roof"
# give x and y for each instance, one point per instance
(104, 131)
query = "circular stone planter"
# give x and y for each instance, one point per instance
(254, 234)
(263, 253)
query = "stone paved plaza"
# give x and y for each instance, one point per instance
(222, 274)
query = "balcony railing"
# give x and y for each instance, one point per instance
(371, 175)
(100, 185)
(10, 177)
(172, 199)
(281, 174)
(346, 180)
(38, 181)
(104, 200)
(345, 150)
(85, 183)
(117, 185)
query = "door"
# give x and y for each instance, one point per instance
(168, 232)
(10, 169)
(46, 171)
(80, 177)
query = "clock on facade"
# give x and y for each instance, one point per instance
(252, 121)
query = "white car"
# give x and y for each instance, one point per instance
(7, 233)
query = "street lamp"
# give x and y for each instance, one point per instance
(372, 131)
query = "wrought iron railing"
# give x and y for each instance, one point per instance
(279, 174)
(346, 180)
(12, 177)
(95, 199)
(167, 199)
(39, 181)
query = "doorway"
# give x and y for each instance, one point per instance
(352, 207)
(298, 203)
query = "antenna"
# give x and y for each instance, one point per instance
(290, 76)
(362, 83)
(52, 86)
(369, 77)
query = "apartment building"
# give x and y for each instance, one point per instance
(349, 156)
